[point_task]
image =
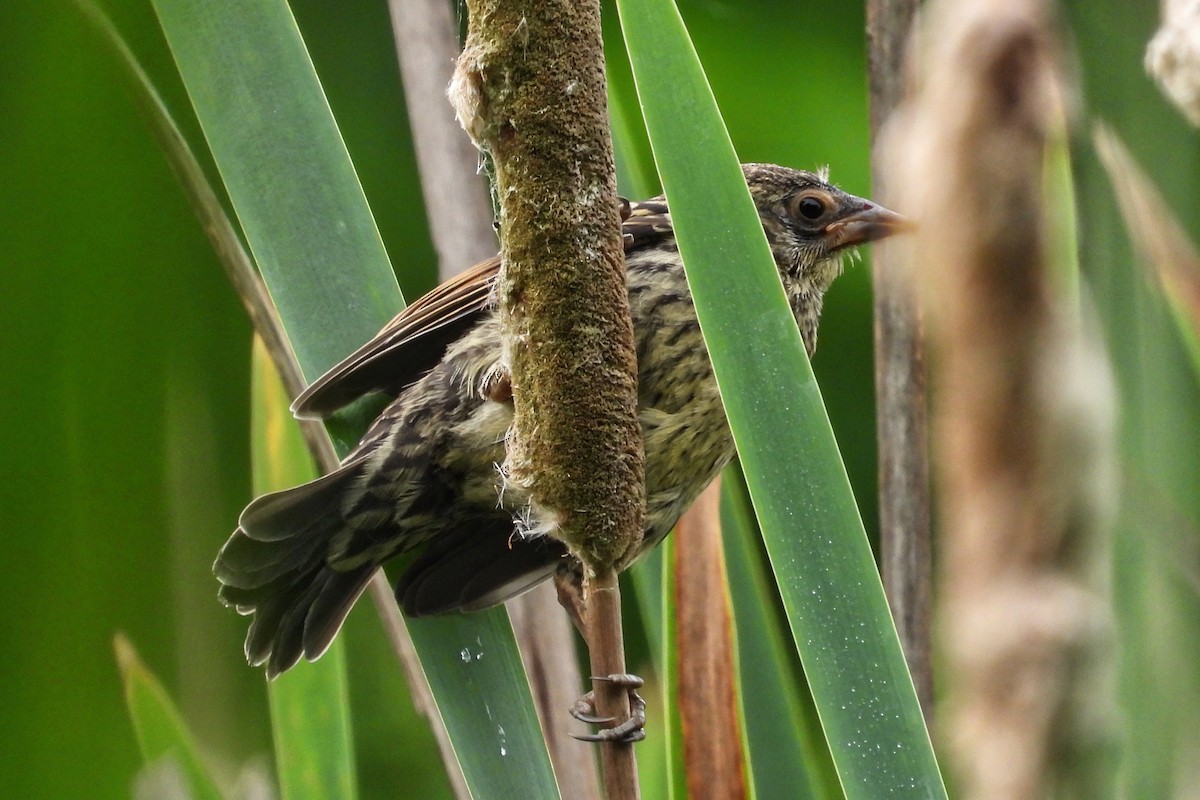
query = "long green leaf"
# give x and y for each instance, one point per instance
(1156, 605)
(161, 732)
(286, 169)
(815, 538)
(787, 750)
(497, 736)
(310, 723)
(307, 223)
(676, 772)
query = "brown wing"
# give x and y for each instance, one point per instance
(407, 347)
(417, 338)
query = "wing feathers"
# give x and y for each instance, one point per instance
(416, 339)
(407, 347)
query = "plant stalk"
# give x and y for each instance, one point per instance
(529, 88)
(902, 417)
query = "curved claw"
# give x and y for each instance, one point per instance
(629, 681)
(584, 710)
(631, 730)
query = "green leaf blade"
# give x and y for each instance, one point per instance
(310, 723)
(786, 746)
(815, 538)
(473, 669)
(286, 170)
(161, 731)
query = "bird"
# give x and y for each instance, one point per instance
(426, 482)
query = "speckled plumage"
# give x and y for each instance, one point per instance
(427, 476)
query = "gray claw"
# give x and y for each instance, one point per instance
(631, 730)
(624, 679)
(584, 710)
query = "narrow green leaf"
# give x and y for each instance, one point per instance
(1156, 605)
(636, 175)
(786, 748)
(1154, 228)
(310, 723)
(286, 169)
(161, 732)
(815, 538)
(1062, 214)
(310, 710)
(671, 722)
(482, 693)
(278, 455)
(1187, 324)
(308, 226)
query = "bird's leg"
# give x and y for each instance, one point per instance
(569, 583)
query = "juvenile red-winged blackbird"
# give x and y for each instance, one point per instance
(426, 473)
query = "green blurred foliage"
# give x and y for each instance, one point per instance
(1155, 546)
(124, 415)
(790, 79)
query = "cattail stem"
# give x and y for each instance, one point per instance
(529, 88)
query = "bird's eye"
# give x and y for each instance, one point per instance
(810, 207)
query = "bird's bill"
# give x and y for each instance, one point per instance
(870, 222)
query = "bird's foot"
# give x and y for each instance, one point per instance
(631, 730)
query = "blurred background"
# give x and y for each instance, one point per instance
(124, 404)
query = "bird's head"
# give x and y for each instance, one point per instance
(811, 224)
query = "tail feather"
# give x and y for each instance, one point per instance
(330, 607)
(499, 582)
(246, 601)
(469, 570)
(279, 515)
(260, 639)
(246, 563)
(274, 567)
(285, 644)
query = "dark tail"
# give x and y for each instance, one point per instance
(274, 567)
